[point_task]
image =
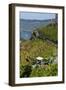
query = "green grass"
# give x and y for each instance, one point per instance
(30, 49)
(35, 48)
(39, 71)
(47, 70)
(50, 32)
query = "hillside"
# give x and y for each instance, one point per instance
(49, 32)
(34, 48)
(43, 45)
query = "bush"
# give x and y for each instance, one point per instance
(48, 70)
(25, 71)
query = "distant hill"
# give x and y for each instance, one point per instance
(31, 25)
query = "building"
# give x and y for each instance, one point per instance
(39, 60)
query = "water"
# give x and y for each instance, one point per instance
(26, 35)
(27, 26)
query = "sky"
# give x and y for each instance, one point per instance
(36, 16)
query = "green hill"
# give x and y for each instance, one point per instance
(49, 32)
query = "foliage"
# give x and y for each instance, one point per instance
(34, 48)
(46, 70)
(49, 32)
(38, 71)
(44, 46)
(25, 71)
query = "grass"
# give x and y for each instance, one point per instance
(30, 49)
(35, 48)
(46, 70)
(39, 71)
(50, 32)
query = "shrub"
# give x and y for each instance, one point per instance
(25, 71)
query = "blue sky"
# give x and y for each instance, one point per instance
(35, 15)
